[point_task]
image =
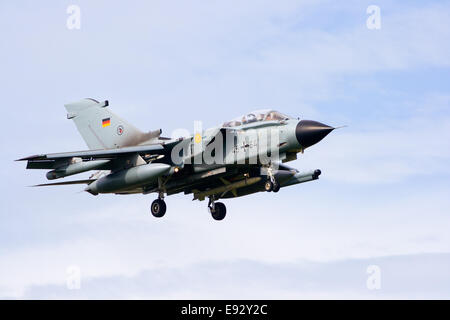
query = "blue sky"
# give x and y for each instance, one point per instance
(382, 198)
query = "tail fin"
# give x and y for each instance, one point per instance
(102, 129)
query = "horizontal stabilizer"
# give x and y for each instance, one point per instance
(88, 181)
(98, 154)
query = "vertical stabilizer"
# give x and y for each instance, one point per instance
(102, 129)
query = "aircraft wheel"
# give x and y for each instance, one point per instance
(219, 211)
(158, 208)
(268, 186)
(276, 187)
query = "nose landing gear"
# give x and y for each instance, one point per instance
(271, 183)
(271, 186)
(276, 187)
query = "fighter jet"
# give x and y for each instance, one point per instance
(240, 157)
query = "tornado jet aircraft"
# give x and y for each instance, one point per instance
(238, 158)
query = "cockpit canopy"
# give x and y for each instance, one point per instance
(254, 116)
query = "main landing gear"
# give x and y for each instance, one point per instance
(217, 209)
(158, 207)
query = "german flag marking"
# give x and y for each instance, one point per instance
(106, 122)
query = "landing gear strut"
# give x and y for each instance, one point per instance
(158, 207)
(217, 209)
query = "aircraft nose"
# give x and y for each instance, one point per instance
(309, 132)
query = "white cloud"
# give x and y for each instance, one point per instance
(401, 277)
(121, 239)
(391, 149)
(210, 62)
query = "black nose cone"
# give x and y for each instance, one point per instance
(310, 132)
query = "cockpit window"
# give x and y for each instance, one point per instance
(275, 115)
(249, 118)
(259, 115)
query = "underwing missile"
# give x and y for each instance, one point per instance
(74, 168)
(302, 177)
(128, 178)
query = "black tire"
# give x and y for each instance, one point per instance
(158, 208)
(220, 211)
(268, 186)
(276, 187)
